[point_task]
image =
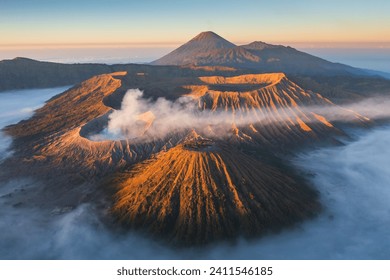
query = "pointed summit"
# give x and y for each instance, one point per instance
(211, 38)
(206, 35)
(208, 41)
(210, 49)
(198, 47)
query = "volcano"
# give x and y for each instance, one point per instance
(193, 184)
(201, 191)
(208, 48)
(211, 164)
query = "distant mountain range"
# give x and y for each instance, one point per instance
(21, 73)
(209, 54)
(208, 48)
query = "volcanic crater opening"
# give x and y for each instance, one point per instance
(201, 145)
(235, 87)
(248, 107)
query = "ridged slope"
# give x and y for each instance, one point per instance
(201, 191)
(266, 108)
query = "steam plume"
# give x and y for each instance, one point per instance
(140, 117)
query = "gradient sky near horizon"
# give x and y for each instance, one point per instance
(77, 22)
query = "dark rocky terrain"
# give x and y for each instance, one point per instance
(24, 73)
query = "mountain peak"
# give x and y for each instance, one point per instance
(23, 59)
(259, 45)
(212, 39)
(210, 49)
(201, 45)
(207, 35)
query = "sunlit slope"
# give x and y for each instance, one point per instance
(267, 108)
(200, 191)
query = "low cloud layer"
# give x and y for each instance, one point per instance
(353, 181)
(141, 118)
(17, 105)
(136, 112)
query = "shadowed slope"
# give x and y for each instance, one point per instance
(24, 73)
(201, 44)
(197, 192)
(209, 48)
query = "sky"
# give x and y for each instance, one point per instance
(73, 22)
(123, 31)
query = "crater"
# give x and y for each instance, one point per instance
(201, 145)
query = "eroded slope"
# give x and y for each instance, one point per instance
(196, 192)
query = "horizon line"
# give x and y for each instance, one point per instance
(303, 44)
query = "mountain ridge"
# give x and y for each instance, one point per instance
(26, 73)
(258, 55)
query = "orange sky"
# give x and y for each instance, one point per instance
(158, 23)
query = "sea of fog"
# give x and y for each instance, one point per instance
(353, 181)
(368, 58)
(110, 55)
(18, 105)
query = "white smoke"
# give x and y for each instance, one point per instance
(374, 108)
(137, 112)
(141, 118)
